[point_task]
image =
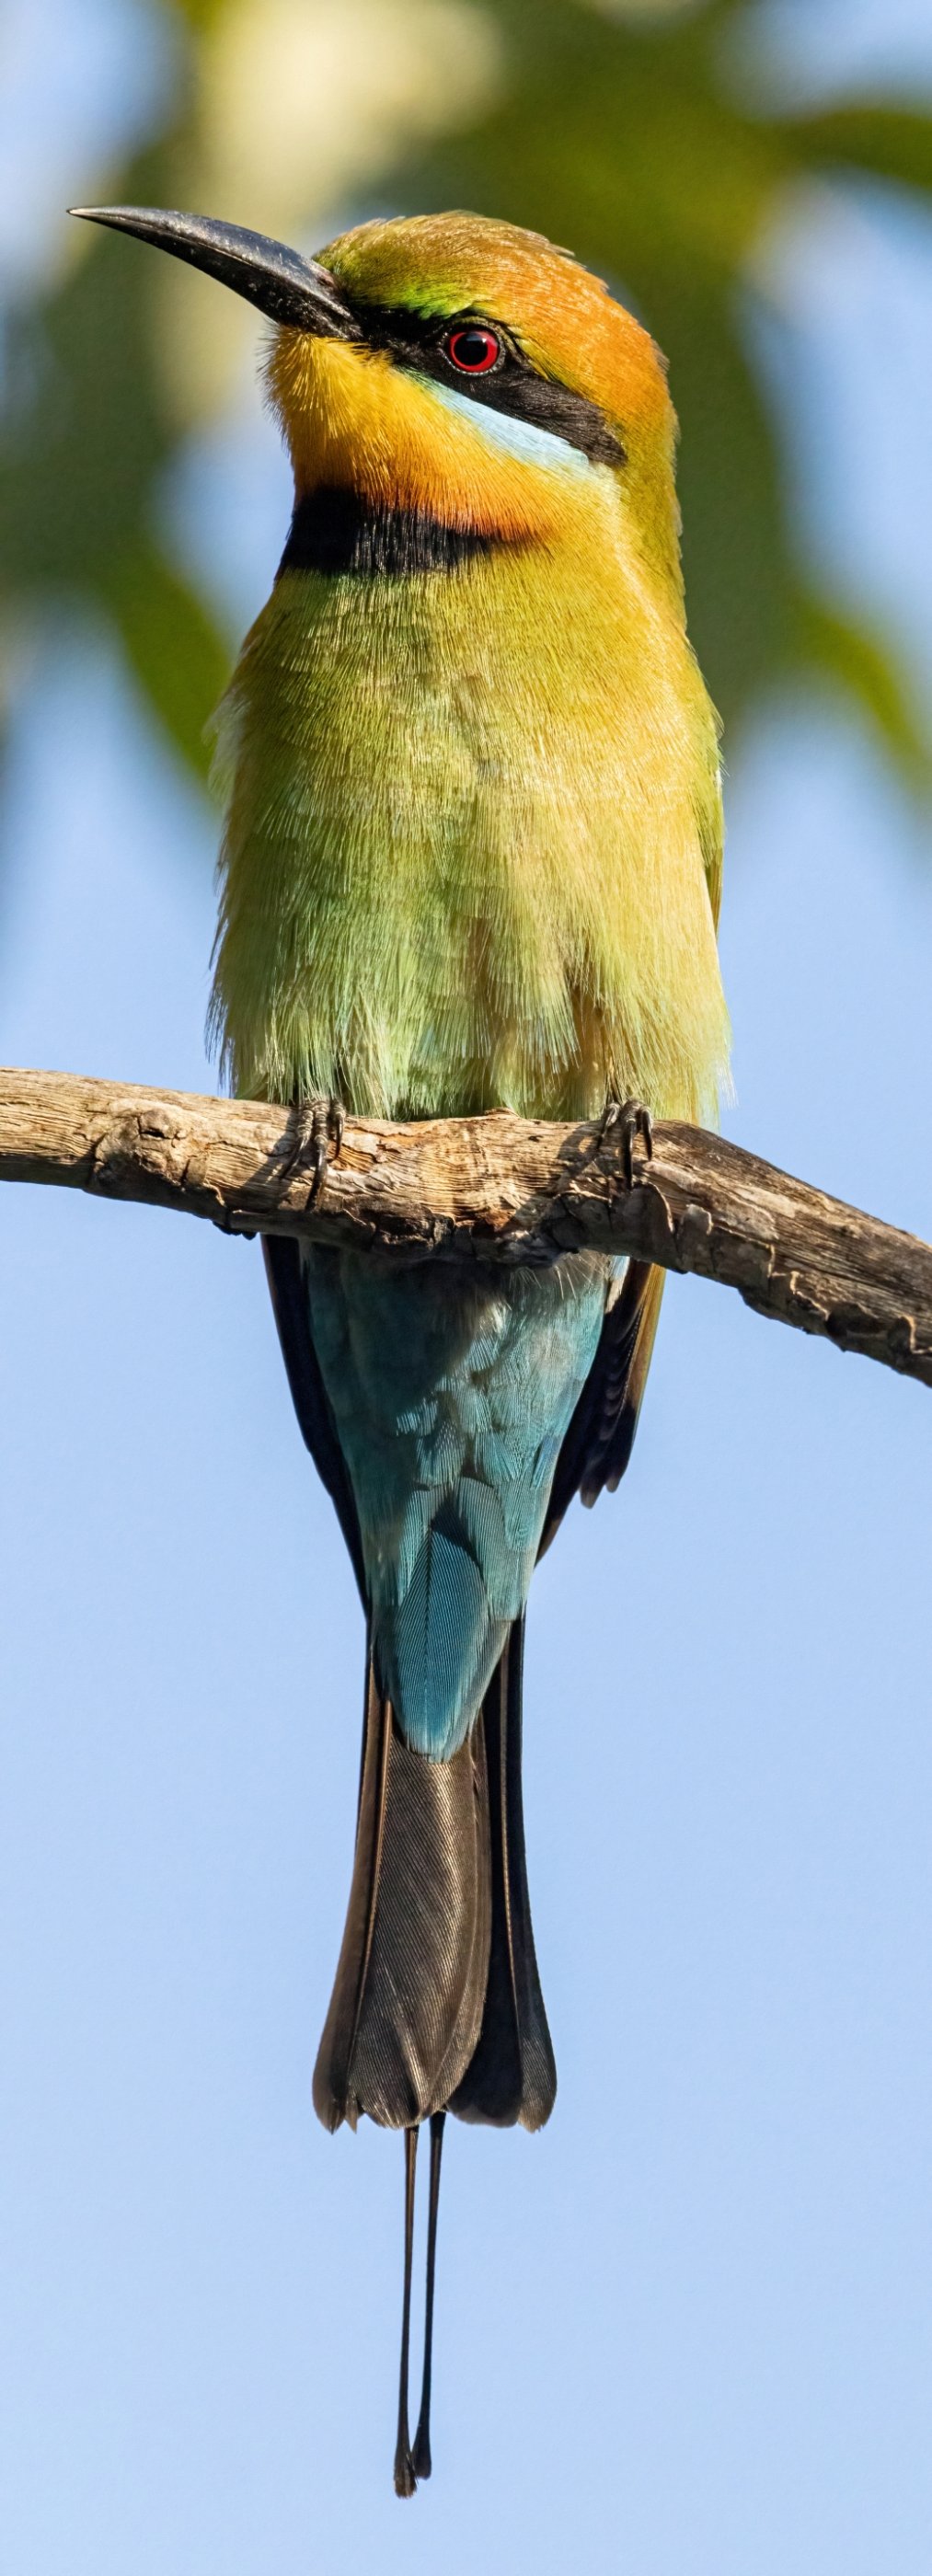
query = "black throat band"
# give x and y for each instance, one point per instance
(335, 531)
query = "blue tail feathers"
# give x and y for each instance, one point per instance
(451, 1388)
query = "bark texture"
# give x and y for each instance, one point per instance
(498, 1186)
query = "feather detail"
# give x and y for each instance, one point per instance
(407, 2003)
(448, 1388)
(512, 2074)
(437, 2000)
(461, 801)
(600, 1437)
(282, 1256)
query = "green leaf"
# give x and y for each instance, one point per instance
(201, 14)
(171, 644)
(828, 645)
(890, 142)
(87, 441)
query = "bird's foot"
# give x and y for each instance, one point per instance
(637, 1128)
(315, 1126)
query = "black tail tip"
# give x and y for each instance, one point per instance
(405, 2479)
(421, 2461)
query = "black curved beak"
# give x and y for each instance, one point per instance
(278, 281)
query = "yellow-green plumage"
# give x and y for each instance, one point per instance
(473, 832)
(472, 858)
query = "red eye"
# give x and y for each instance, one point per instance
(472, 349)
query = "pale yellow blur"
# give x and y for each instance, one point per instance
(304, 106)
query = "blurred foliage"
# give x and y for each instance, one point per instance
(623, 132)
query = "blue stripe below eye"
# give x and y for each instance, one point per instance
(521, 438)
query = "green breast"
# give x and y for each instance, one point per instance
(431, 847)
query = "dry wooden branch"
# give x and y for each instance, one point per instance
(497, 1187)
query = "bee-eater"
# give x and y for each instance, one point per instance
(472, 859)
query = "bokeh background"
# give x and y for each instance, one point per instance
(687, 2331)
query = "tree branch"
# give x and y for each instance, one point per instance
(499, 1188)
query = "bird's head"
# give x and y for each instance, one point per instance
(453, 366)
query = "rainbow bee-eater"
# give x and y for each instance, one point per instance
(472, 859)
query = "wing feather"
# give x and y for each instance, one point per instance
(600, 1437)
(289, 1301)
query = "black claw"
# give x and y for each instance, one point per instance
(315, 1126)
(637, 1127)
(319, 1143)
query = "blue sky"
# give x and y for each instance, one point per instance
(687, 2331)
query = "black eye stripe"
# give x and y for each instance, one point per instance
(511, 385)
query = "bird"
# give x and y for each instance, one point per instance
(471, 860)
